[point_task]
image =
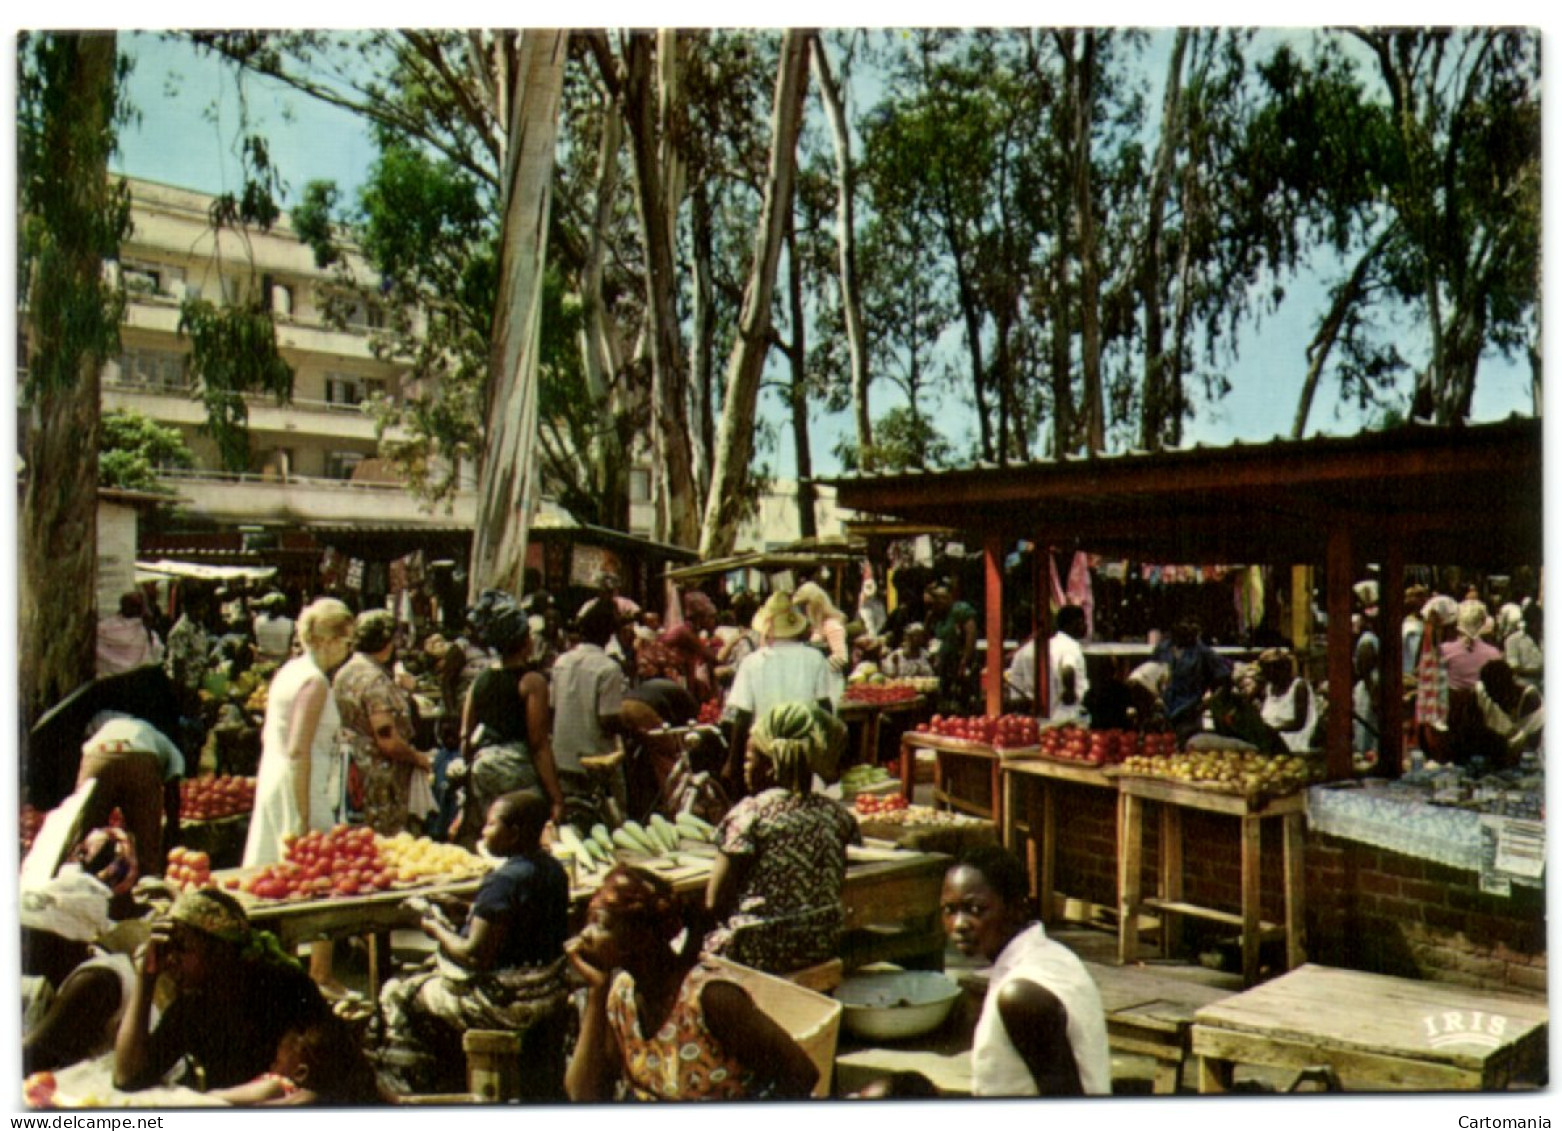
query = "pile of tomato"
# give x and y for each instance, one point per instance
(343, 862)
(1103, 747)
(188, 868)
(710, 713)
(870, 804)
(879, 693)
(1006, 731)
(212, 797)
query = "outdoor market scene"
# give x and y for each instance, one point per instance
(791, 565)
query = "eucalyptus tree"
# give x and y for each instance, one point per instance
(71, 221)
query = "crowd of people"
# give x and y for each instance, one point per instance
(544, 718)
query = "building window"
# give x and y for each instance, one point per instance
(158, 371)
(350, 392)
(341, 465)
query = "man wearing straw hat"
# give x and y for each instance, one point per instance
(784, 670)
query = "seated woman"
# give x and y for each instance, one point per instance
(503, 969)
(1511, 720)
(320, 1063)
(1288, 706)
(236, 993)
(667, 1025)
(776, 883)
(1042, 1029)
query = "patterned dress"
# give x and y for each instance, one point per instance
(681, 1060)
(789, 912)
(363, 689)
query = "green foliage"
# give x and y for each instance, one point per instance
(233, 353)
(132, 448)
(903, 438)
(66, 231)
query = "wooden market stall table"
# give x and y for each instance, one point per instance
(1135, 792)
(1036, 781)
(953, 750)
(1375, 1032)
(871, 717)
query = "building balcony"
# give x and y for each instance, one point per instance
(158, 313)
(298, 502)
(177, 404)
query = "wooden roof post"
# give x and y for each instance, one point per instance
(1042, 651)
(992, 680)
(1339, 565)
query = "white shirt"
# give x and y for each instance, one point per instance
(1062, 651)
(788, 671)
(997, 1069)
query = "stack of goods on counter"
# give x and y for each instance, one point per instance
(876, 805)
(1519, 791)
(1073, 743)
(919, 827)
(353, 861)
(864, 779)
(1244, 772)
(216, 797)
(867, 684)
(188, 868)
(1004, 732)
(599, 849)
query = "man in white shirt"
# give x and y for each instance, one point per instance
(1067, 680)
(785, 670)
(588, 693)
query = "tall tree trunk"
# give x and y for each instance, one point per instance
(971, 314)
(797, 356)
(601, 354)
(1089, 266)
(1152, 407)
(1346, 296)
(735, 440)
(675, 489)
(508, 483)
(846, 244)
(58, 519)
(1062, 370)
(703, 355)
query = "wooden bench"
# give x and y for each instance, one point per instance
(1374, 1032)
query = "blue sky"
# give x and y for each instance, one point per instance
(189, 115)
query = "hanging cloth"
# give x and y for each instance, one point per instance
(1080, 590)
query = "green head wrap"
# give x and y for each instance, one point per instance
(219, 915)
(800, 740)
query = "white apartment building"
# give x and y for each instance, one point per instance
(312, 467)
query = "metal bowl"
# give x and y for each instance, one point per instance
(898, 1005)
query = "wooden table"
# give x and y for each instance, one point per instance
(952, 748)
(871, 716)
(1035, 779)
(1173, 797)
(1375, 1032)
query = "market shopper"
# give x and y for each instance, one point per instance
(236, 994)
(376, 725)
(1068, 682)
(136, 768)
(506, 733)
(1523, 649)
(125, 639)
(299, 786)
(187, 660)
(1193, 670)
(952, 625)
(273, 630)
(503, 968)
(588, 690)
(826, 631)
(911, 659)
(682, 653)
(1042, 1029)
(785, 670)
(668, 1025)
(776, 884)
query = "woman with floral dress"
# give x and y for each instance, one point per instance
(776, 884)
(667, 1025)
(377, 727)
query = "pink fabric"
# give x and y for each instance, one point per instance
(123, 643)
(1464, 659)
(833, 633)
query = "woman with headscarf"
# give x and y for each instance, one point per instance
(236, 994)
(776, 883)
(376, 725)
(668, 1025)
(506, 731)
(682, 652)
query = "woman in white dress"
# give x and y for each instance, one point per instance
(1289, 707)
(298, 781)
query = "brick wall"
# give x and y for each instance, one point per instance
(1367, 908)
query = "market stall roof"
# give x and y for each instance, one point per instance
(199, 571)
(804, 554)
(1469, 495)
